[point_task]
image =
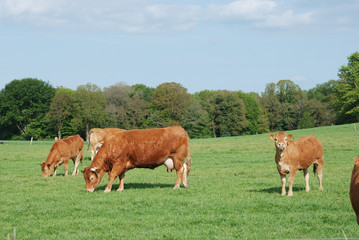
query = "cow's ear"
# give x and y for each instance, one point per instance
(271, 136)
(290, 136)
(48, 165)
(84, 170)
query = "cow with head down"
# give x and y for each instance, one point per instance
(292, 156)
(354, 188)
(61, 152)
(140, 148)
(97, 137)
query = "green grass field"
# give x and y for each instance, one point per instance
(234, 194)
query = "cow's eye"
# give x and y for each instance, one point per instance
(276, 139)
(91, 178)
(285, 139)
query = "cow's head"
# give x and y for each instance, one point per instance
(281, 140)
(46, 169)
(92, 178)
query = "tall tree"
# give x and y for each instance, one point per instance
(21, 102)
(226, 112)
(253, 113)
(347, 91)
(196, 120)
(171, 99)
(323, 92)
(89, 108)
(126, 106)
(281, 102)
(60, 109)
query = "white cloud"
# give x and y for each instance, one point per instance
(244, 10)
(261, 13)
(148, 16)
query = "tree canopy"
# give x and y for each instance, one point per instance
(21, 102)
(33, 108)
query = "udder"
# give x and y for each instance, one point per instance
(169, 164)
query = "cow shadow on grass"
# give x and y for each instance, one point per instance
(277, 190)
(138, 186)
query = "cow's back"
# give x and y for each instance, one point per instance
(354, 188)
(75, 144)
(305, 151)
(147, 146)
(58, 149)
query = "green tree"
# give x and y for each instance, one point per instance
(323, 92)
(283, 103)
(305, 121)
(60, 109)
(196, 120)
(89, 108)
(346, 92)
(22, 102)
(253, 113)
(126, 106)
(146, 93)
(173, 100)
(226, 111)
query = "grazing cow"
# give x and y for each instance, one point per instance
(297, 155)
(141, 148)
(97, 137)
(354, 188)
(61, 152)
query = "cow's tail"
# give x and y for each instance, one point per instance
(189, 162)
(315, 168)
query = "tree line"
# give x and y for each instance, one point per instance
(33, 108)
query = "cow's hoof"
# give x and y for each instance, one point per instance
(107, 190)
(176, 187)
(119, 190)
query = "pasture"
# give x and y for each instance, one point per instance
(234, 194)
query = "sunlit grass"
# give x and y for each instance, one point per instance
(234, 193)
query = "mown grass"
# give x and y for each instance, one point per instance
(234, 194)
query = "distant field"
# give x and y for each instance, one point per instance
(234, 193)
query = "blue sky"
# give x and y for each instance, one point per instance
(213, 44)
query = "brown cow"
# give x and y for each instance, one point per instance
(141, 148)
(298, 155)
(354, 188)
(61, 152)
(97, 137)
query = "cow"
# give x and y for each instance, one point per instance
(140, 148)
(97, 137)
(61, 152)
(354, 188)
(292, 156)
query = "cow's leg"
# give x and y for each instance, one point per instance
(184, 175)
(306, 177)
(93, 152)
(121, 185)
(76, 162)
(66, 165)
(54, 174)
(283, 180)
(115, 172)
(291, 180)
(179, 173)
(320, 172)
